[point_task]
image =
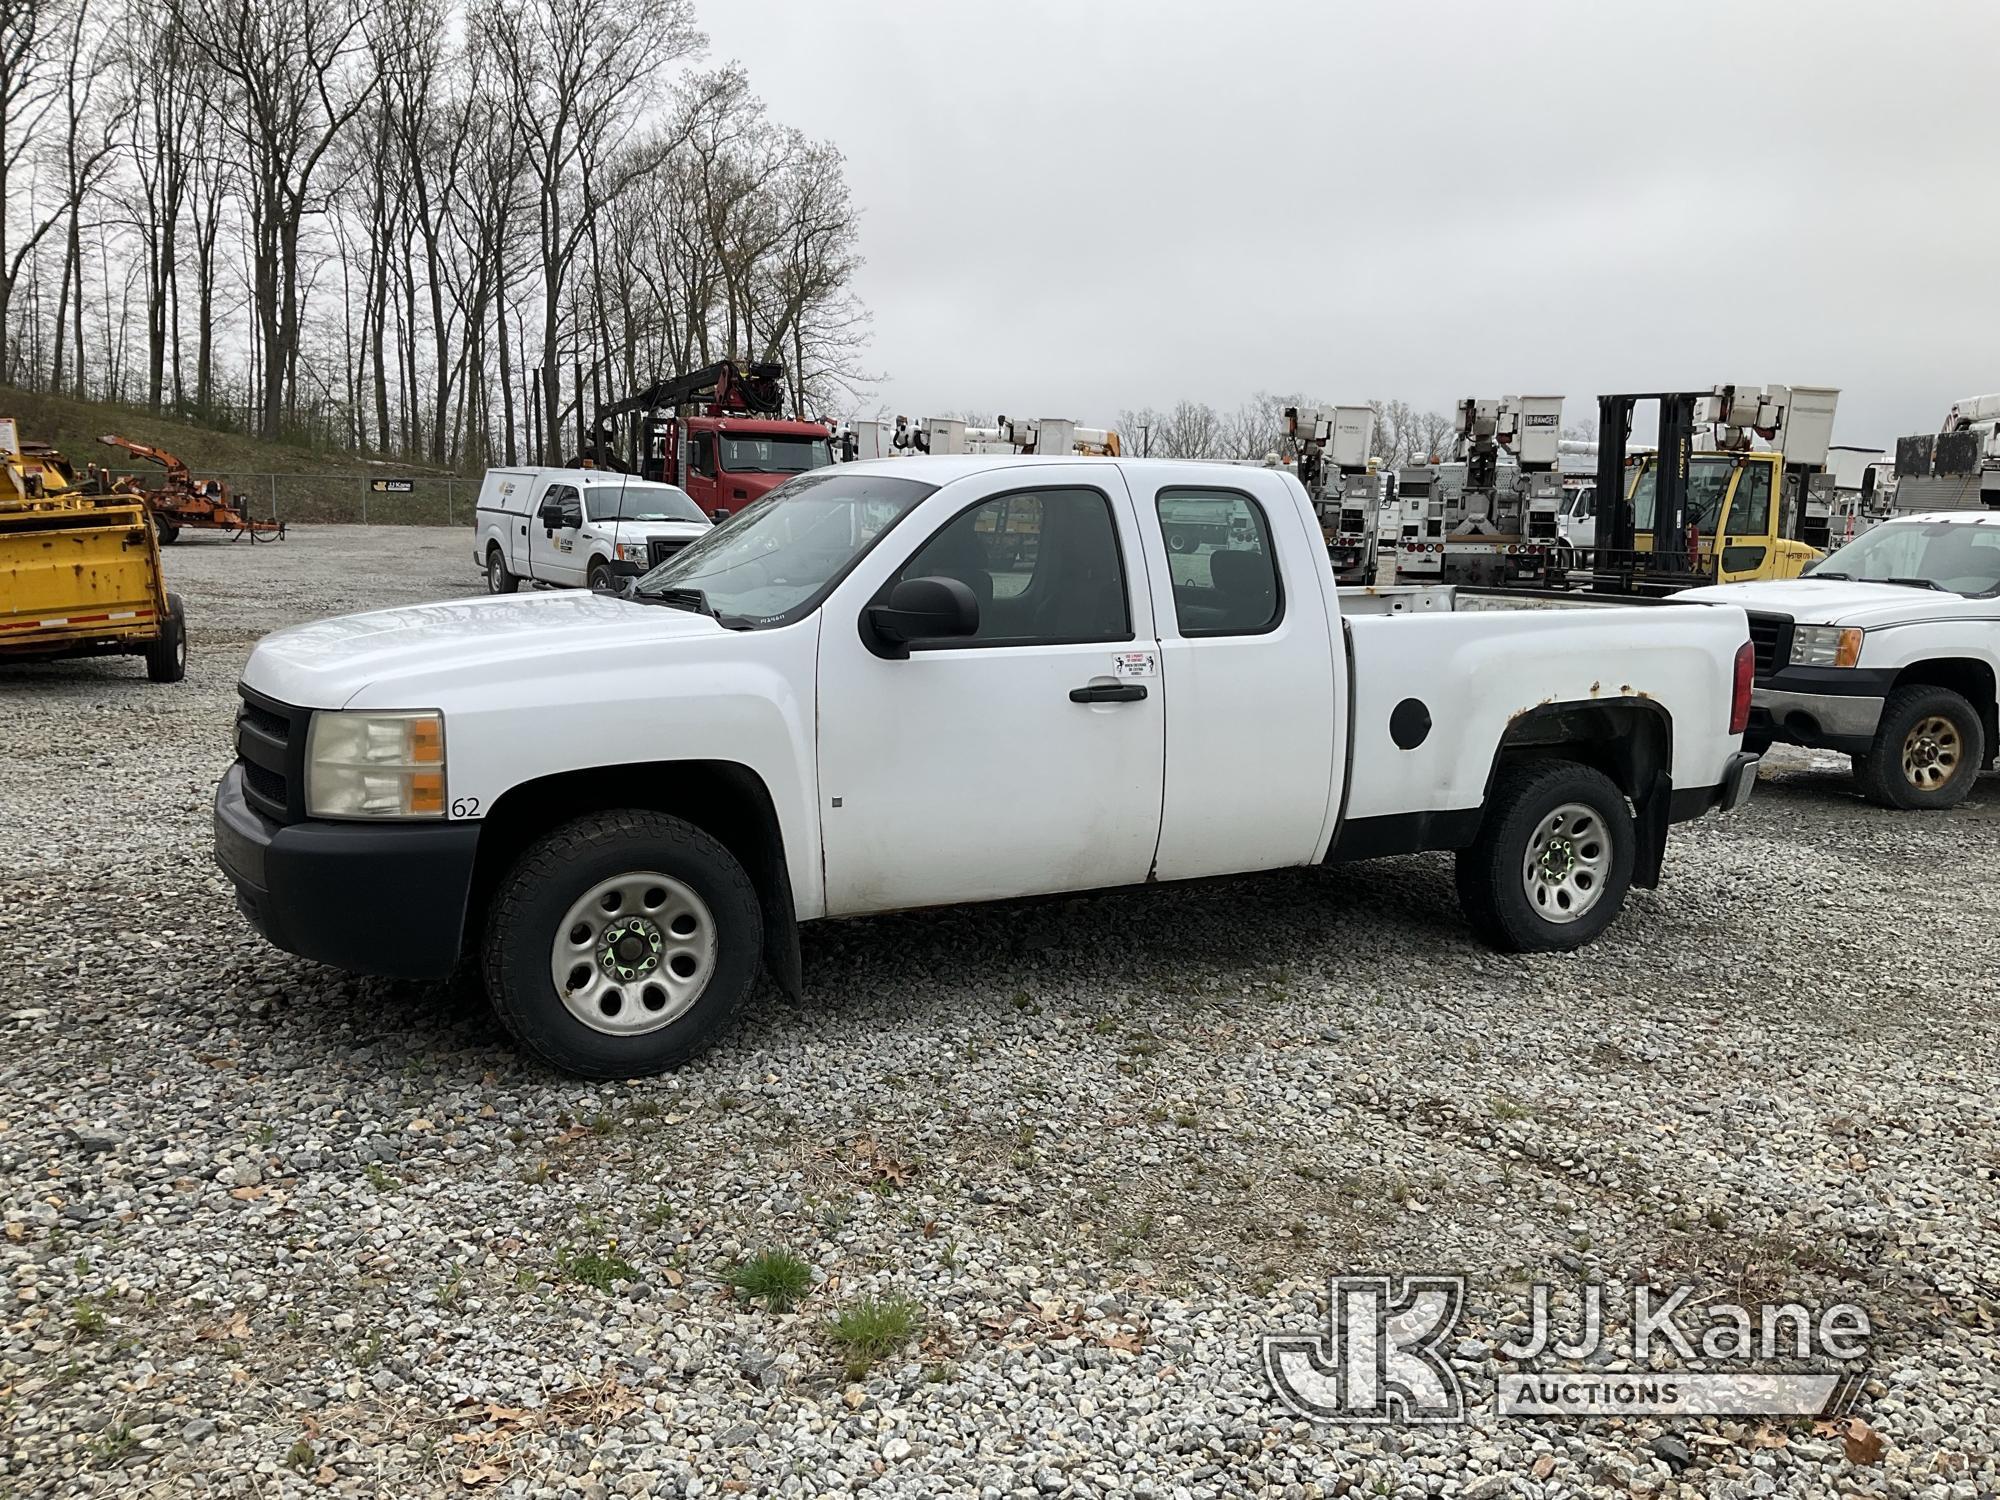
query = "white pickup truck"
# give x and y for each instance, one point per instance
(1888, 651)
(577, 528)
(940, 680)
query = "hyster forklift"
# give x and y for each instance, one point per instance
(79, 569)
(1729, 513)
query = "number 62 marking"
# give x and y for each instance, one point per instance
(465, 807)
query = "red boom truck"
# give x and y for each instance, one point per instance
(719, 433)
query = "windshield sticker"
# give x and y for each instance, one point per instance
(1135, 664)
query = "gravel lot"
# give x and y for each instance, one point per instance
(269, 1230)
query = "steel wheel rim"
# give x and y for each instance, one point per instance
(1933, 751)
(633, 953)
(495, 570)
(1568, 863)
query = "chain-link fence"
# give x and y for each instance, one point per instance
(416, 500)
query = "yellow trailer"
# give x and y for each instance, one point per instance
(80, 573)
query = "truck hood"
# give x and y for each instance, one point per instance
(328, 663)
(1831, 602)
(641, 531)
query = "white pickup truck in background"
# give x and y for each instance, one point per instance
(1888, 651)
(941, 680)
(577, 528)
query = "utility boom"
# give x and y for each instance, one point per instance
(1506, 523)
(1334, 445)
(720, 433)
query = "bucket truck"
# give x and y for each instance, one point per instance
(1334, 445)
(1504, 526)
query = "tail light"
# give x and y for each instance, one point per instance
(1739, 692)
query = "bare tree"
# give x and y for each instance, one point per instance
(1193, 429)
(579, 70)
(88, 136)
(299, 70)
(33, 34)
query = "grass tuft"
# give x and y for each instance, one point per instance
(777, 1276)
(870, 1329)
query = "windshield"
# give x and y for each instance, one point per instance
(775, 559)
(1959, 556)
(774, 455)
(1708, 483)
(640, 502)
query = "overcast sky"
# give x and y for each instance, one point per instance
(1070, 208)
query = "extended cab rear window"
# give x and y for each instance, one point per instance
(1219, 556)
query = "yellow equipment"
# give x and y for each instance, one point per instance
(79, 571)
(1742, 524)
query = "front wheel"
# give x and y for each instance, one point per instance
(498, 579)
(1927, 752)
(1553, 861)
(600, 577)
(620, 944)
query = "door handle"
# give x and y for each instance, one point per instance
(1107, 692)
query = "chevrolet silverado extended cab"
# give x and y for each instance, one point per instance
(940, 680)
(1887, 650)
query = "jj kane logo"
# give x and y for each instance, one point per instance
(1384, 1355)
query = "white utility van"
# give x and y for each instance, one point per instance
(577, 528)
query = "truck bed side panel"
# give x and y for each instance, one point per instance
(1474, 674)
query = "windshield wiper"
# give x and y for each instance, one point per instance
(1842, 577)
(690, 599)
(1916, 583)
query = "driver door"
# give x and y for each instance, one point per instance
(1027, 758)
(1744, 539)
(552, 536)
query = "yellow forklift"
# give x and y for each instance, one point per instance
(79, 570)
(1730, 513)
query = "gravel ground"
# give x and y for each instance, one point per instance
(270, 1230)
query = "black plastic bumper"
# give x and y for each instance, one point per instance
(1739, 780)
(384, 899)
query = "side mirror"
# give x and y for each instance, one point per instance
(550, 515)
(921, 609)
(718, 515)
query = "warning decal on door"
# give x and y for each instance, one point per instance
(1135, 664)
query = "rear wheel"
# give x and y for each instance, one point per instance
(166, 530)
(1553, 861)
(1928, 750)
(166, 657)
(620, 944)
(498, 579)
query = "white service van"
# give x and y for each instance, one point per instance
(577, 528)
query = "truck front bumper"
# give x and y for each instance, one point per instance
(385, 899)
(1829, 708)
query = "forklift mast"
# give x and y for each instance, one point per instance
(1676, 444)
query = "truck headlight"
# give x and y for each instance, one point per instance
(632, 552)
(375, 765)
(1826, 646)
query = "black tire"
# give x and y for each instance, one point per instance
(1912, 768)
(167, 531)
(166, 657)
(599, 577)
(534, 899)
(498, 579)
(1491, 874)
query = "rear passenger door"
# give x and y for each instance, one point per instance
(1254, 728)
